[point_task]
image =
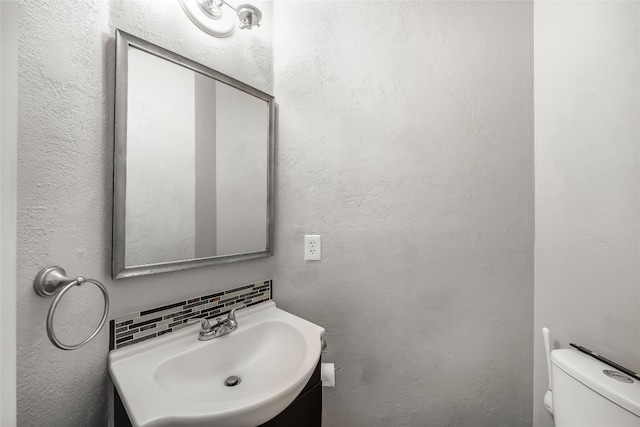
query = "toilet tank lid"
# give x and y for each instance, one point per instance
(588, 371)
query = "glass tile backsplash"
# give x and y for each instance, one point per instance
(154, 322)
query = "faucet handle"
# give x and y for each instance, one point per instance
(204, 323)
(232, 314)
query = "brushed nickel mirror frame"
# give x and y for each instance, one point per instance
(119, 269)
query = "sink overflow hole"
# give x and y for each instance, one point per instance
(232, 381)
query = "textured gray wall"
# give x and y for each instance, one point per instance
(406, 140)
(587, 96)
(65, 182)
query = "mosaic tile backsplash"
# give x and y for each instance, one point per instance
(143, 325)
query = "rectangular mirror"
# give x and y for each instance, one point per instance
(193, 164)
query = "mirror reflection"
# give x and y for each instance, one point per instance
(197, 166)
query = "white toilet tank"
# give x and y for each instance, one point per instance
(584, 396)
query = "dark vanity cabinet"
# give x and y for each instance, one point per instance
(305, 411)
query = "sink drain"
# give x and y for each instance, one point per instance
(232, 381)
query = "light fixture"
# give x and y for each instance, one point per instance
(211, 18)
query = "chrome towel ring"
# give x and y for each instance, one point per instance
(52, 281)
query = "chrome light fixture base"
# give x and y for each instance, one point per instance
(210, 17)
(249, 16)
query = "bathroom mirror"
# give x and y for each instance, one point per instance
(193, 164)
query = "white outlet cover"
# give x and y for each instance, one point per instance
(312, 247)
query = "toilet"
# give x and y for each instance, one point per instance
(589, 393)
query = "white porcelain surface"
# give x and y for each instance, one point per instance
(178, 380)
(583, 396)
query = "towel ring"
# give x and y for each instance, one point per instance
(52, 281)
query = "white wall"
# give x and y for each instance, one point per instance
(241, 189)
(66, 78)
(405, 138)
(161, 148)
(8, 203)
(587, 110)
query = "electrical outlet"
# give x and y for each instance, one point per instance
(312, 247)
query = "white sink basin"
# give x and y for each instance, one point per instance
(177, 380)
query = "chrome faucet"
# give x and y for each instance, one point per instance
(219, 328)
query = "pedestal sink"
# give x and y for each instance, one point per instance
(177, 380)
